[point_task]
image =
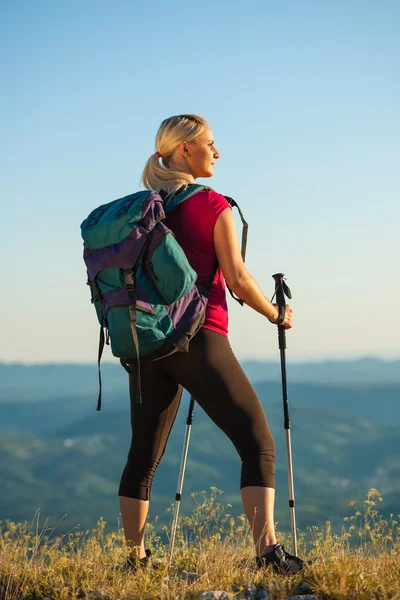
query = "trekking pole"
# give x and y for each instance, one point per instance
(178, 495)
(282, 290)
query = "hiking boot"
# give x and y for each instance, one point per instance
(280, 560)
(134, 564)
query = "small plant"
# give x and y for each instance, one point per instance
(360, 562)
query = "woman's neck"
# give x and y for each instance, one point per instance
(182, 166)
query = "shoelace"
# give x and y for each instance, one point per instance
(295, 558)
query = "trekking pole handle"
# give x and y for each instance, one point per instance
(281, 290)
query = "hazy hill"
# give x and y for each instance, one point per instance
(363, 370)
(45, 382)
(374, 402)
(58, 453)
(76, 470)
(377, 402)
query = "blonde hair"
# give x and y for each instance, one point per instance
(172, 131)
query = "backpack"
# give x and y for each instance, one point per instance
(142, 286)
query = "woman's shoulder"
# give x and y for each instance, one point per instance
(212, 197)
(214, 203)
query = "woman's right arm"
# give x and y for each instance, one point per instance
(236, 274)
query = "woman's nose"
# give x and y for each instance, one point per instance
(216, 153)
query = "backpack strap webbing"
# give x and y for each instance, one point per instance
(245, 228)
(102, 338)
(130, 287)
(96, 296)
(99, 355)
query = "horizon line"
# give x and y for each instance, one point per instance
(361, 358)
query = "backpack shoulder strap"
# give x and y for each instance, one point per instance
(171, 202)
(245, 228)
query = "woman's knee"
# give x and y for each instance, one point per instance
(259, 452)
(134, 490)
(258, 466)
(136, 480)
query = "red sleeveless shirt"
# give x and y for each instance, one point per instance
(192, 223)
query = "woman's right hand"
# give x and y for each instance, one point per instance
(287, 323)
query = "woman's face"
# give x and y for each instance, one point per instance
(201, 154)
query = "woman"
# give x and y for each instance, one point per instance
(205, 228)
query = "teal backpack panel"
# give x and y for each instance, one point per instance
(142, 285)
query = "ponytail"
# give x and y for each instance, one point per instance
(156, 174)
(158, 177)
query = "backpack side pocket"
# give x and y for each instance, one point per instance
(168, 268)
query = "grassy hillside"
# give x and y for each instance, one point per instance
(76, 470)
(213, 551)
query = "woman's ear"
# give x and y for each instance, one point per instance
(184, 150)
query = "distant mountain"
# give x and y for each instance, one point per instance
(75, 471)
(376, 403)
(373, 402)
(365, 371)
(43, 382)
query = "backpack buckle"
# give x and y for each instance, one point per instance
(129, 280)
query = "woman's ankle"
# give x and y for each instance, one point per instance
(136, 552)
(262, 549)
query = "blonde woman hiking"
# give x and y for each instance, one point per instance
(205, 229)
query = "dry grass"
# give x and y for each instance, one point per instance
(361, 562)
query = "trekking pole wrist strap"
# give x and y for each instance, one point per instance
(281, 315)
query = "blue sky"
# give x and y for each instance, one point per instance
(303, 99)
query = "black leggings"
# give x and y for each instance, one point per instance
(212, 375)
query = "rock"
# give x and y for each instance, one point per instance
(250, 592)
(302, 590)
(191, 577)
(97, 594)
(306, 597)
(158, 563)
(214, 595)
